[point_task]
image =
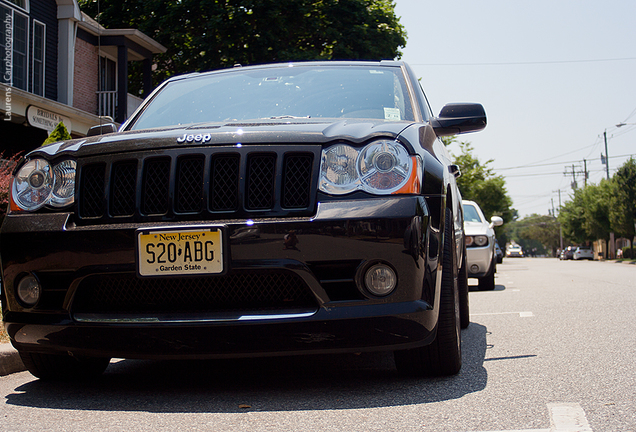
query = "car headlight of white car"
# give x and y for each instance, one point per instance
(479, 240)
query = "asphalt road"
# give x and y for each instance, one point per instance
(551, 349)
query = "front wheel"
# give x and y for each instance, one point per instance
(462, 287)
(63, 367)
(444, 355)
(487, 283)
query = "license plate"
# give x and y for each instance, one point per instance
(179, 252)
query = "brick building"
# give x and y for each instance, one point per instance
(57, 64)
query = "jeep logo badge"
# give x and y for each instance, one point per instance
(199, 138)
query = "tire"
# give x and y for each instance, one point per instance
(487, 283)
(462, 287)
(63, 367)
(444, 355)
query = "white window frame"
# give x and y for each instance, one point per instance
(15, 5)
(12, 7)
(43, 83)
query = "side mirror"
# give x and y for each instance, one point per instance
(458, 118)
(455, 171)
(496, 221)
(102, 129)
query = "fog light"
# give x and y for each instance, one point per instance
(29, 290)
(474, 268)
(380, 280)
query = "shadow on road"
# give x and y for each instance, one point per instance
(322, 382)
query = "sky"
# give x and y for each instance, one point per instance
(553, 76)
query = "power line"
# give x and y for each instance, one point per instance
(553, 163)
(526, 63)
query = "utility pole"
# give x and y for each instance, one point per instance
(554, 215)
(606, 154)
(576, 170)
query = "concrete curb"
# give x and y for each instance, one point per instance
(10, 361)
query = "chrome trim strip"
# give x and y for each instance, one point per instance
(131, 319)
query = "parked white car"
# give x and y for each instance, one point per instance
(480, 245)
(583, 253)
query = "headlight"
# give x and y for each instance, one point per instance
(479, 240)
(382, 167)
(64, 187)
(38, 184)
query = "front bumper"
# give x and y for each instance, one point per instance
(327, 263)
(479, 260)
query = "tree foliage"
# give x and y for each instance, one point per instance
(598, 210)
(586, 217)
(212, 34)
(479, 183)
(59, 133)
(622, 209)
(536, 232)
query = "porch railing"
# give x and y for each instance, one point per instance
(107, 103)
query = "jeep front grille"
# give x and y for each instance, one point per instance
(190, 184)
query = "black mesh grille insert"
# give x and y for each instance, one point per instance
(297, 180)
(235, 292)
(92, 191)
(261, 170)
(156, 190)
(190, 184)
(224, 183)
(123, 188)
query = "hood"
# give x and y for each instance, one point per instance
(301, 131)
(477, 228)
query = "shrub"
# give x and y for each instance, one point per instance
(627, 252)
(6, 171)
(60, 133)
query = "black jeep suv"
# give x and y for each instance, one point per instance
(253, 211)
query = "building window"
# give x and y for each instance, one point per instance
(22, 4)
(14, 47)
(39, 39)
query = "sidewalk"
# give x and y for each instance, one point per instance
(9, 360)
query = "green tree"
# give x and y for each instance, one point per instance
(59, 133)
(479, 183)
(212, 34)
(622, 211)
(540, 232)
(585, 218)
(572, 219)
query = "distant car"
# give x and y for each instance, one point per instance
(498, 253)
(514, 251)
(583, 253)
(567, 253)
(480, 245)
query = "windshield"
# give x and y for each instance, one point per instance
(471, 214)
(285, 92)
